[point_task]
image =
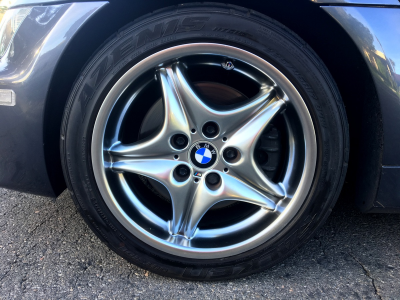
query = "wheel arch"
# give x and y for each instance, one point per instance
(305, 18)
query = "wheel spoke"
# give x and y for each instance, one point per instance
(181, 203)
(245, 139)
(175, 122)
(200, 113)
(157, 169)
(162, 170)
(231, 188)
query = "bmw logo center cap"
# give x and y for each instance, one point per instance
(203, 155)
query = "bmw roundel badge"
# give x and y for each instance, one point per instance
(203, 155)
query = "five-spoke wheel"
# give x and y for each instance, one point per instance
(203, 153)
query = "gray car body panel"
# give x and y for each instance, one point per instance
(18, 3)
(39, 44)
(376, 32)
(360, 2)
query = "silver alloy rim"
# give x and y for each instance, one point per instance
(241, 180)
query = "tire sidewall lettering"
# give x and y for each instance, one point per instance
(138, 43)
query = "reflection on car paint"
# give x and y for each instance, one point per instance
(27, 69)
(368, 27)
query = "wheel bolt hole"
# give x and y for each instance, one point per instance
(231, 155)
(196, 180)
(179, 141)
(176, 157)
(224, 139)
(210, 129)
(226, 170)
(213, 181)
(193, 131)
(181, 173)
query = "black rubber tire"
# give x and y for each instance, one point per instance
(225, 24)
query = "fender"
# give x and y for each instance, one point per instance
(374, 31)
(41, 42)
(20, 3)
(360, 2)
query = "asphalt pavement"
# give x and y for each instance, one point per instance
(48, 252)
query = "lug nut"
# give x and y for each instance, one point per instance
(230, 154)
(210, 129)
(179, 141)
(181, 173)
(213, 179)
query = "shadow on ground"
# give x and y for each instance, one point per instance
(47, 251)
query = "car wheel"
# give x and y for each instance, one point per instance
(205, 142)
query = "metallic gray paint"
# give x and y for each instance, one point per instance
(39, 44)
(360, 2)
(18, 3)
(363, 2)
(376, 32)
